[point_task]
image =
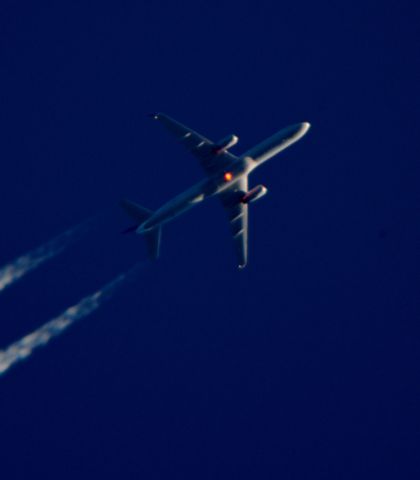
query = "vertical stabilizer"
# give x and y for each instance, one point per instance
(140, 215)
(152, 238)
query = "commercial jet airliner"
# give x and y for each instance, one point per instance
(227, 179)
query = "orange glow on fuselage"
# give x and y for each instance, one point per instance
(228, 176)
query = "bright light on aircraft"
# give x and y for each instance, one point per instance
(228, 176)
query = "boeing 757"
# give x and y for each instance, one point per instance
(227, 179)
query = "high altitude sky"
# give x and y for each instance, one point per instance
(305, 364)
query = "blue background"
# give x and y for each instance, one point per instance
(306, 364)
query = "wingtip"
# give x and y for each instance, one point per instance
(154, 115)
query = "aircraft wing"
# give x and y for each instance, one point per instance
(199, 146)
(238, 218)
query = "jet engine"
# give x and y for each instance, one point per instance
(225, 143)
(254, 194)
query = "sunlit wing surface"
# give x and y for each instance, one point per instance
(238, 218)
(202, 148)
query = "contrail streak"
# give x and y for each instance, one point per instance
(23, 348)
(19, 267)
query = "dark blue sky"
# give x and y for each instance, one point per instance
(305, 365)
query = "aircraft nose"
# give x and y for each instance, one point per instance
(300, 129)
(305, 127)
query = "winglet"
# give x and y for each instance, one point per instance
(153, 115)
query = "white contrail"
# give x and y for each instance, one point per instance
(23, 348)
(16, 269)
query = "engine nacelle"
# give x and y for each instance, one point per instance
(254, 194)
(225, 143)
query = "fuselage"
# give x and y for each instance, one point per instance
(234, 169)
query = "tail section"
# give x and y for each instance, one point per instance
(135, 211)
(140, 215)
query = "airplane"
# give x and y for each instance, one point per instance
(227, 179)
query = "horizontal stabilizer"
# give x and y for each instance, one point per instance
(131, 229)
(136, 212)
